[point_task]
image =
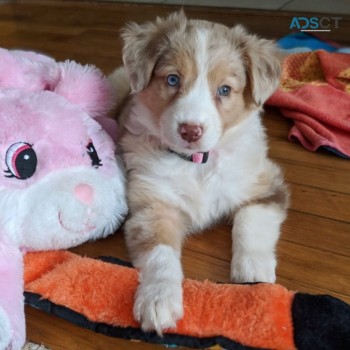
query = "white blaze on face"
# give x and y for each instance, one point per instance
(196, 107)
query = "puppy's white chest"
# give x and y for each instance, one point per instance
(207, 191)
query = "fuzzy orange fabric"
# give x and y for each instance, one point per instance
(253, 315)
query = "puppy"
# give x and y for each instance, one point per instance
(195, 151)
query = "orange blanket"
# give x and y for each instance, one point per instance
(315, 93)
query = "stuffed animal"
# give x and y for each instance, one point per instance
(229, 316)
(61, 183)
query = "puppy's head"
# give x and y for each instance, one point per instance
(198, 79)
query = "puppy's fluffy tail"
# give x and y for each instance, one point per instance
(122, 88)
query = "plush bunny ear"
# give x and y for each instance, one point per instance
(85, 86)
(82, 85)
(26, 70)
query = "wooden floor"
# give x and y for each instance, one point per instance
(314, 252)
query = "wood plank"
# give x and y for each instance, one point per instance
(302, 287)
(300, 228)
(317, 232)
(218, 238)
(318, 177)
(321, 202)
(281, 149)
(38, 28)
(314, 268)
(265, 22)
(276, 124)
(58, 335)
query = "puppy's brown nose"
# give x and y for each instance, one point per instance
(190, 132)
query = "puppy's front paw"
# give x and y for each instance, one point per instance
(247, 268)
(158, 305)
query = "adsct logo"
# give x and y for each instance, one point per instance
(315, 24)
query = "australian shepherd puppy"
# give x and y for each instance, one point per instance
(195, 151)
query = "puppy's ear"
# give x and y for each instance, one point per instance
(263, 63)
(144, 45)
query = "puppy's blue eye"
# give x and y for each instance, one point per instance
(224, 90)
(173, 80)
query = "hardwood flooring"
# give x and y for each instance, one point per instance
(314, 252)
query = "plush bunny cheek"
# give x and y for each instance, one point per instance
(84, 193)
(67, 208)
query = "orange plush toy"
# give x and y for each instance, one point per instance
(99, 293)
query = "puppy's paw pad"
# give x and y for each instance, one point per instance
(253, 269)
(158, 306)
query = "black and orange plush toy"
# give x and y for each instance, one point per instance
(98, 294)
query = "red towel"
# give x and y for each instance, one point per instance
(315, 92)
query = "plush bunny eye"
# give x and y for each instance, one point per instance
(21, 161)
(95, 160)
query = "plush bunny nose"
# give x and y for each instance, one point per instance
(84, 193)
(190, 132)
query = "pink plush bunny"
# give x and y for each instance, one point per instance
(61, 183)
